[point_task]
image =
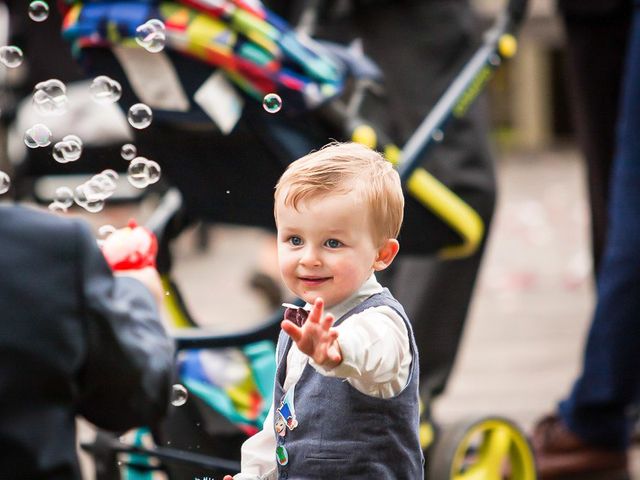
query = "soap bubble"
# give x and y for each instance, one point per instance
(37, 136)
(139, 116)
(101, 186)
(72, 138)
(57, 207)
(79, 195)
(137, 172)
(272, 102)
(153, 171)
(94, 206)
(38, 11)
(68, 149)
(143, 172)
(11, 56)
(63, 196)
(50, 97)
(5, 182)
(128, 151)
(105, 90)
(179, 395)
(151, 35)
(91, 195)
(106, 230)
(112, 174)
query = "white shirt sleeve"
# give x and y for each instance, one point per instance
(376, 356)
(259, 454)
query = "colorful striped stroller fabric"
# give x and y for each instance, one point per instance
(256, 49)
(237, 383)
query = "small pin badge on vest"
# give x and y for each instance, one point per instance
(281, 455)
(280, 424)
(287, 411)
(288, 415)
(295, 314)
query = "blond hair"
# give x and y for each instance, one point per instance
(340, 168)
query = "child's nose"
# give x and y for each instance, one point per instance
(310, 257)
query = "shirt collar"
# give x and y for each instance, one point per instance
(368, 288)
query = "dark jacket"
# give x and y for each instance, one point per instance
(73, 340)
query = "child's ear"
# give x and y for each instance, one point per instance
(386, 253)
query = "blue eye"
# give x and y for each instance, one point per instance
(333, 243)
(295, 241)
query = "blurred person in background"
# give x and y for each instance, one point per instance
(596, 34)
(420, 46)
(74, 340)
(589, 435)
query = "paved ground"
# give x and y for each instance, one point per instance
(523, 341)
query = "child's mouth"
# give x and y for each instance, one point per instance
(313, 281)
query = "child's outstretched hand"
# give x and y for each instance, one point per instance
(316, 338)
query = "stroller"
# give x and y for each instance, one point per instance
(320, 87)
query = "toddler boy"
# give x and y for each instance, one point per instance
(346, 389)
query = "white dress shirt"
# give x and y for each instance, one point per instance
(376, 359)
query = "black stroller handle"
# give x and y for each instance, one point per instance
(200, 339)
(499, 43)
(105, 442)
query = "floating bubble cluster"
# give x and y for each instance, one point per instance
(179, 395)
(62, 200)
(128, 151)
(68, 149)
(272, 102)
(37, 136)
(105, 90)
(139, 116)
(143, 172)
(38, 11)
(11, 56)
(151, 35)
(92, 194)
(50, 97)
(5, 182)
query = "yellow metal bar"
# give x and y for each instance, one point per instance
(177, 318)
(448, 206)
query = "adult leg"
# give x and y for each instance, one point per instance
(596, 47)
(591, 432)
(598, 406)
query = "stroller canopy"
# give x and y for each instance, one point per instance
(257, 50)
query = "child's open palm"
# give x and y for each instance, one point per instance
(316, 338)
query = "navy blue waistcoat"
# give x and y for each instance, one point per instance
(342, 433)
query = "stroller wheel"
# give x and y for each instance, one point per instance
(487, 448)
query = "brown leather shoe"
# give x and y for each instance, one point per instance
(561, 454)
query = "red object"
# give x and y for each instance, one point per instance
(131, 248)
